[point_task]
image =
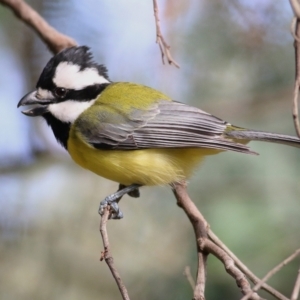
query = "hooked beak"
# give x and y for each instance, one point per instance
(31, 98)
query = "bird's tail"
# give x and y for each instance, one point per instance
(246, 135)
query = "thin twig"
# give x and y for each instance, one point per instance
(106, 255)
(244, 268)
(188, 274)
(297, 84)
(163, 46)
(296, 289)
(271, 273)
(295, 31)
(55, 40)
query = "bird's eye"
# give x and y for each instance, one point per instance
(60, 92)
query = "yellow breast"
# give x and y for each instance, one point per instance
(145, 167)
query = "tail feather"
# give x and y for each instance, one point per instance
(253, 135)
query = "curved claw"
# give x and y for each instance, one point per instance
(116, 212)
(113, 199)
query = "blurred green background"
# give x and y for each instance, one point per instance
(237, 62)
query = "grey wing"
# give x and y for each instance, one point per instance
(166, 125)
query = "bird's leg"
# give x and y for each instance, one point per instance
(134, 193)
(113, 199)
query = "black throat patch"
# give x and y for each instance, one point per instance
(60, 129)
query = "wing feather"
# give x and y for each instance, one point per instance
(167, 124)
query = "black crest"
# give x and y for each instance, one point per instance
(80, 56)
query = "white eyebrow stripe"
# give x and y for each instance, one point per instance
(69, 76)
(68, 111)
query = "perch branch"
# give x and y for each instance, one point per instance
(163, 46)
(106, 255)
(55, 40)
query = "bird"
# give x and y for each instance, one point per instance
(127, 132)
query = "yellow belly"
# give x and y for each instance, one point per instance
(145, 167)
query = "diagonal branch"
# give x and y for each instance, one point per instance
(188, 274)
(244, 268)
(271, 273)
(163, 46)
(55, 40)
(230, 266)
(295, 293)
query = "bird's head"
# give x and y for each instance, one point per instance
(69, 84)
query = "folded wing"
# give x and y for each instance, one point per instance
(167, 124)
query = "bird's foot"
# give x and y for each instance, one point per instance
(113, 199)
(116, 213)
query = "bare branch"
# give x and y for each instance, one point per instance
(295, 293)
(295, 7)
(200, 228)
(163, 46)
(205, 246)
(188, 274)
(55, 40)
(201, 274)
(106, 255)
(229, 265)
(271, 273)
(244, 268)
(295, 105)
(295, 27)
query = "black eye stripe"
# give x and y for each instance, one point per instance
(86, 94)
